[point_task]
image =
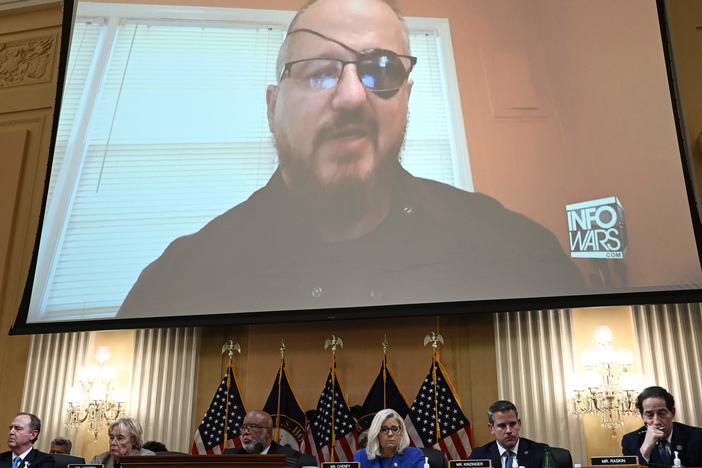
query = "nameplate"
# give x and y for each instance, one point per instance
(470, 463)
(341, 465)
(615, 460)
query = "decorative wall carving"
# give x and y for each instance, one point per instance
(26, 61)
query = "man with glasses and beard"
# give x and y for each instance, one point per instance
(257, 438)
(341, 223)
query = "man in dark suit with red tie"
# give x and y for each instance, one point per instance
(504, 424)
(24, 431)
(657, 441)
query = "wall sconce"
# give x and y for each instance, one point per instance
(606, 388)
(94, 401)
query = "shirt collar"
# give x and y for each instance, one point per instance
(23, 455)
(502, 450)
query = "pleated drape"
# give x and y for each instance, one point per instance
(669, 340)
(163, 384)
(51, 371)
(535, 364)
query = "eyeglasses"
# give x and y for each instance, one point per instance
(386, 429)
(379, 70)
(252, 428)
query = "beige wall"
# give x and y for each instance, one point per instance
(26, 112)
(25, 121)
(685, 19)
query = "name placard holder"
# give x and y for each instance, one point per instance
(618, 460)
(486, 463)
(341, 465)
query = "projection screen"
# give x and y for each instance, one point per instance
(531, 159)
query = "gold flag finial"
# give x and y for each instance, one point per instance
(434, 339)
(230, 346)
(334, 342)
(386, 344)
(282, 349)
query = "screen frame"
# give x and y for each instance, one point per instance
(367, 312)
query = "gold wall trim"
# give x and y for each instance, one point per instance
(27, 61)
(9, 7)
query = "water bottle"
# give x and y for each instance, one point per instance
(548, 461)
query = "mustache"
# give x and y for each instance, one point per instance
(348, 123)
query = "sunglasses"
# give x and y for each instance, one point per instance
(379, 70)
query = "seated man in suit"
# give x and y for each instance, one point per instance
(655, 442)
(504, 424)
(24, 431)
(60, 445)
(257, 438)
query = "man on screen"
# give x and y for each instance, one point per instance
(341, 222)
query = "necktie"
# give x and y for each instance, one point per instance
(16, 462)
(508, 462)
(663, 453)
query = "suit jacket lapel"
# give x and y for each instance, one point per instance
(6, 460)
(678, 440)
(524, 455)
(30, 456)
(495, 456)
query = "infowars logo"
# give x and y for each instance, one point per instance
(596, 229)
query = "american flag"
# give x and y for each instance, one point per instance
(455, 434)
(318, 438)
(209, 437)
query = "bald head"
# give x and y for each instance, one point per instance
(260, 418)
(335, 18)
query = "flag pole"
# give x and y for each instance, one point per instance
(280, 385)
(386, 345)
(435, 339)
(229, 347)
(334, 341)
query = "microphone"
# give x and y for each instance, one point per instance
(258, 447)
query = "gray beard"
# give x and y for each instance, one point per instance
(343, 200)
(256, 447)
